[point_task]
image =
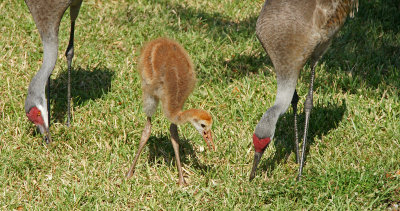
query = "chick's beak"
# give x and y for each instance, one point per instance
(208, 139)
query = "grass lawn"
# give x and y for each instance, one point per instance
(354, 141)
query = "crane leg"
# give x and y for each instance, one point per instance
(143, 140)
(74, 10)
(308, 107)
(295, 100)
(174, 140)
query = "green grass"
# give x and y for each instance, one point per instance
(354, 150)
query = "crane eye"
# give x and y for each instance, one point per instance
(203, 126)
(38, 113)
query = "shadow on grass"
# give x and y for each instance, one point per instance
(85, 85)
(222, 28)
(323, 119)
(367, 47)
(161, 147)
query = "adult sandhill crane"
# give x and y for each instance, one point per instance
(167, 75)
(292, 32)
(47, 16)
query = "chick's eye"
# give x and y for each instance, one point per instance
(203, 126)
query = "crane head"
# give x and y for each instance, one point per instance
(260, 144)
(202, 121)
(38, 115)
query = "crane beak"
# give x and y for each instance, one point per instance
(208, 139)
(257, 158)
(47, 137)
(45, 132)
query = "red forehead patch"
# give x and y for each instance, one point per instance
(260, 144)
(34, 115)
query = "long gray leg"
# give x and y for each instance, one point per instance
(295, 100)
(143, 140)
(307, 106)
(74, 10)
(174, 140)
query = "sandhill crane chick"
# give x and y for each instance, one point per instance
(167, 75)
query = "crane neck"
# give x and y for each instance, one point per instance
(50, 51)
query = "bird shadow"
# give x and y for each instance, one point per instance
(366, 47)
(324, 117)
(85, 85)
(161, 147)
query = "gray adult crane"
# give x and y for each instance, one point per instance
(293, 32)
(47, 15)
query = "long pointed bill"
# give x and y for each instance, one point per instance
(47, 137)
(208, 139)
(46, 133)
(257, 158)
